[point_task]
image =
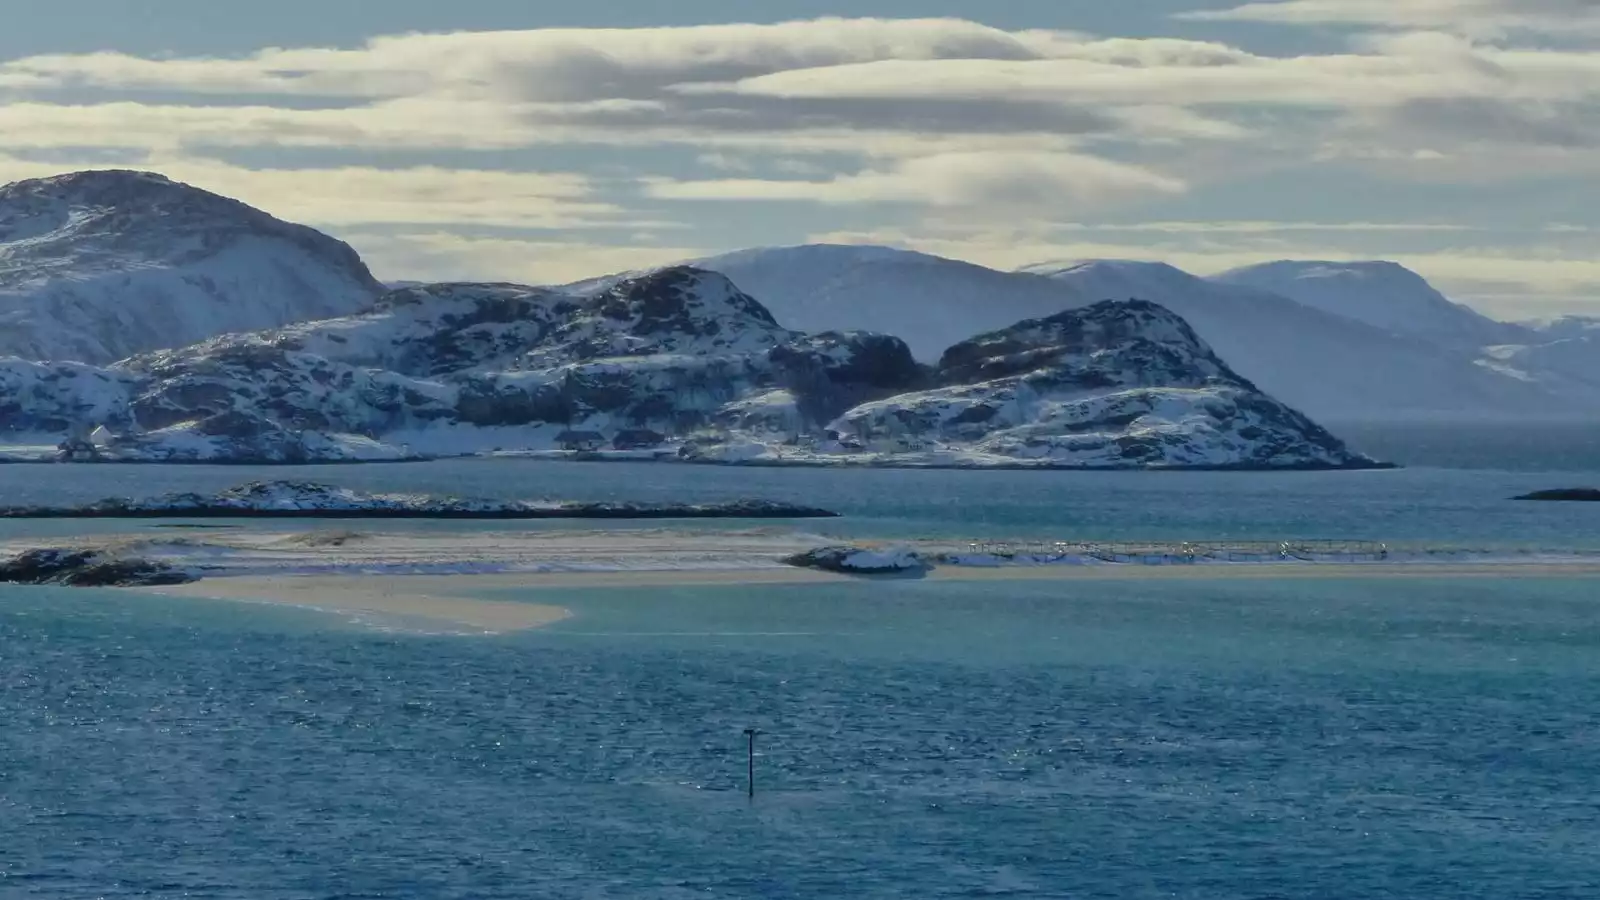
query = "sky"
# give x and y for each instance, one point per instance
(547, 142)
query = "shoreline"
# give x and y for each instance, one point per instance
(456, 601)
(850, 464)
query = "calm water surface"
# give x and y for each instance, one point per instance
(1209, 739)
(1298, 739)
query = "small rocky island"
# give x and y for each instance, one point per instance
(89, 568)
(1568, 495)
(860, 561)
(307, 500)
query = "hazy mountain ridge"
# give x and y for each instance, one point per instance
(1332, 366)
(1382, 294)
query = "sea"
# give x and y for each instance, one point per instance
(1421, 737)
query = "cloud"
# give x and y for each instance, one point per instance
(1267, 228)
(1484, 17)
(548, 64)
(365, 196)
(444, 256)
(1336, 81)
(886, 124)
(865, 87)
(996, 181)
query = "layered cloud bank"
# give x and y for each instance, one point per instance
(1461, 131)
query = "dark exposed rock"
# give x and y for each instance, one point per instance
(1113, 385)
(1568, 495)
(1112, 344)
(858, 561)
(88, 568)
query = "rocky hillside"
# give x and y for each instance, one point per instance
(465, 368)
(1113, 385)
(98, 266)
(677, 363)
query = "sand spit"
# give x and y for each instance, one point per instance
(430, 603)
(417, 603)
(446, 581)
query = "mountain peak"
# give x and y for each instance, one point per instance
(1352, 270)
(833, 254)
(98, 198)
(1116, 327)
(1377, 292)
(1126, 268)
(100, 265)
(675, 293)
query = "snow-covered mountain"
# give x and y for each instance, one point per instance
(98, 266)
(1331, 366)
(681, 359)
(1383, 294)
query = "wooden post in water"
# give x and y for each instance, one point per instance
(750, 736)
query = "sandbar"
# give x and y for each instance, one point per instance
(409, 602)
(458, 600)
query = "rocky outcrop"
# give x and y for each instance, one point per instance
(1565, 495)
(307, 500)
(673, 352)
(88, 568)
(1113, 385)
(859, 561)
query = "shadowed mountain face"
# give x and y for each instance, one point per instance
(98, 266)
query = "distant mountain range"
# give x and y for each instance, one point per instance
(241, 336)
(1355, 366)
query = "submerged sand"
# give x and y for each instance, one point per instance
(456, 600)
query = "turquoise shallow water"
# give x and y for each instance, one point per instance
(1062, 739)
(1462, 507)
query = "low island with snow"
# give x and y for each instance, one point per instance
(305, 500)
(846, 560)
(1565, 495)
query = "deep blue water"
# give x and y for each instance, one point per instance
(1206, 739)
(1298, 739)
